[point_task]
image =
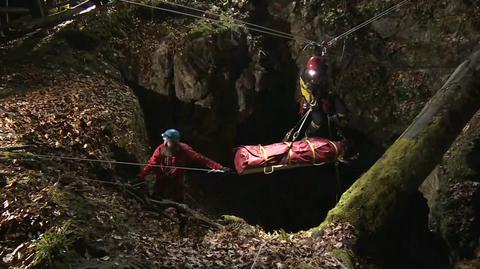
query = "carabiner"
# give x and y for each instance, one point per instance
(324, 50)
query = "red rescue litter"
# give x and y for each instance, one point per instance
(279, 156)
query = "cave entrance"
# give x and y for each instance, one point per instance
(291, 200)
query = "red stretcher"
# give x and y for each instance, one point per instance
(280, 156)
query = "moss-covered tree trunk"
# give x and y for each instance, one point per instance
(370, 202)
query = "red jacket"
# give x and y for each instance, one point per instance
(184, 156)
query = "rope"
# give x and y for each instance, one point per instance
(273, 33)
(258, 253)
(265, 30)
(325, 45)
(235, 20)
(365, 23)
(44, 156)
(296, 134)
(336, 168)
(339, 182)
(107, 182)
(302, 121)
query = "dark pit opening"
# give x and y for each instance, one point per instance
(291, 200)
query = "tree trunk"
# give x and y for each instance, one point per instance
(183, 208)
(381, 192)
(51, 19)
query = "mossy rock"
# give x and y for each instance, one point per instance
(229, 219)
(73, 204)
(345, 256)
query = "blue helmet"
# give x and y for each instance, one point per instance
(171, 135)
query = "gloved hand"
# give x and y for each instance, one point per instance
(338, 119)
(224, 170)
(303, 107)
(287, 136)
(333, 118)
(227, 170)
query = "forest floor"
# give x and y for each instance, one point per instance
(57, 212)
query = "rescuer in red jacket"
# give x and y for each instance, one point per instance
(170, 182)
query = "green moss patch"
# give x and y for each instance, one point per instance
(56, 244)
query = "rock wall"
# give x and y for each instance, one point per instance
(455, 207)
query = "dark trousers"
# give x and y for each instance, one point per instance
(318, 124)
(170, 187)
(321, 127)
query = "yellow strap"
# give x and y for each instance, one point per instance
(289, 152)
(262, 150)
(313, 151)
(335, 147)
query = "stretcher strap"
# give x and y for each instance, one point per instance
(335, 147)
(289, 151)
(313, 151)
(272, 169)
(264, 152)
